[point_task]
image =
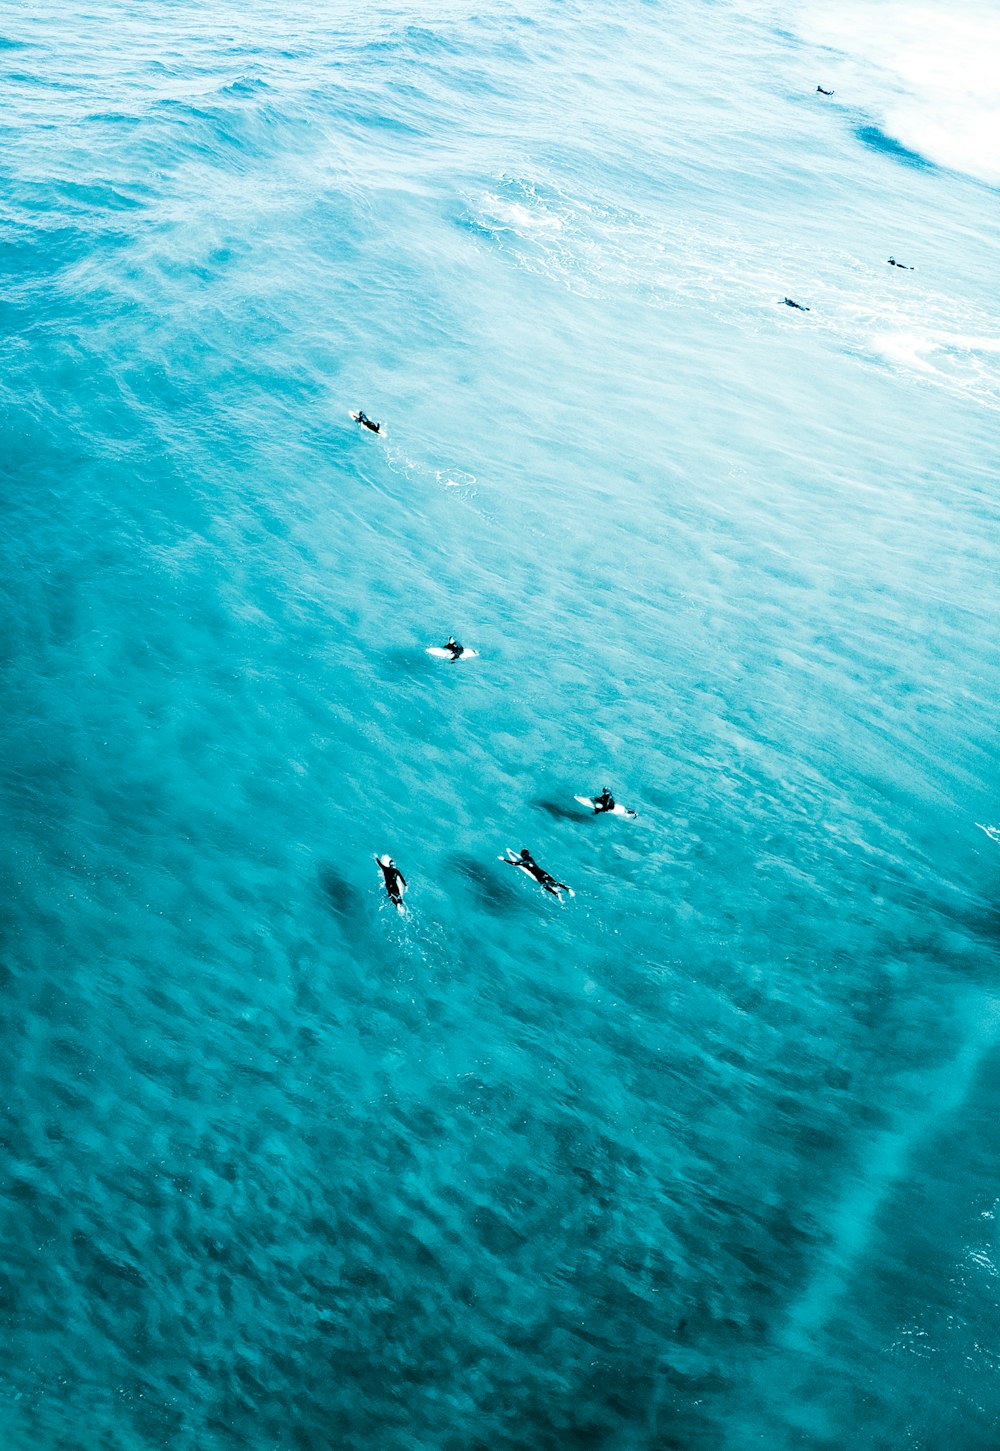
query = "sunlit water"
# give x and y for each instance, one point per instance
(706, 1157)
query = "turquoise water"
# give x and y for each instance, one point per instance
(706, 1157)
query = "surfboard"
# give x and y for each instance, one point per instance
(514, 859)
(440, 653)
(617, 810)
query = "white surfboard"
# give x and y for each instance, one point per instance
(514, 858)
(441, 653)
(617, 810)
(379, 432)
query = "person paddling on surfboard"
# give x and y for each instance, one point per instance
(798, 305)
(604, 802)
(362, 417)
(822, 92)
(544, 879)
(455, 648)
(901, 265)
(395, 882)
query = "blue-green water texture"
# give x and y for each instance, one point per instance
(705, 1157)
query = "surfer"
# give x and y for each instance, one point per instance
(822, 92)
(455, 648)
(901, 265)
(604, 802)
(543, 878)
(790, 303)
(395, 882)
(362, 417)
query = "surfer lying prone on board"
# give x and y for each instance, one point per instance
(798, 305)
(395, 882)
(528, 864)
(362, 417)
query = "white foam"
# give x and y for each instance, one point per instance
(928, 72)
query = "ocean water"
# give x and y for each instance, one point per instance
(705, 1158)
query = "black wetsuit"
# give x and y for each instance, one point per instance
(543, 878)
(455, 648)
(901, 265)
(604, 802)
(790, 303)
(822, 92)
(363, 418)
(393, 877)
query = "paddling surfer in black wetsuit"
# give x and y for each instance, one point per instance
(790, 303)
(395, 882)
(822, 92)
(543, 878)
(455, 648)
(901, 265)
(604, 802)
(363, 418)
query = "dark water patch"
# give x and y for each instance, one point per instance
(560, 812)
(407, 661)
(493, 894)
(878, 140)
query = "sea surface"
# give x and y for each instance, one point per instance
(706, 1157)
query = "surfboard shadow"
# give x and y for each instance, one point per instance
(493, 893)
(562, 813)
(403, 662)
(342, 897)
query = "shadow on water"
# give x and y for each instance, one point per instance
(880, 140)
(401, 663)
(984, 922)
(494, 894)
(563, 813)
(341, 895)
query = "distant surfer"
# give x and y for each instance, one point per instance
(528, 864)
(604, 802)
(822, 92)
(395, 882)
(901, 265)
(362, 417)
(790, 303)
(454, 647)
